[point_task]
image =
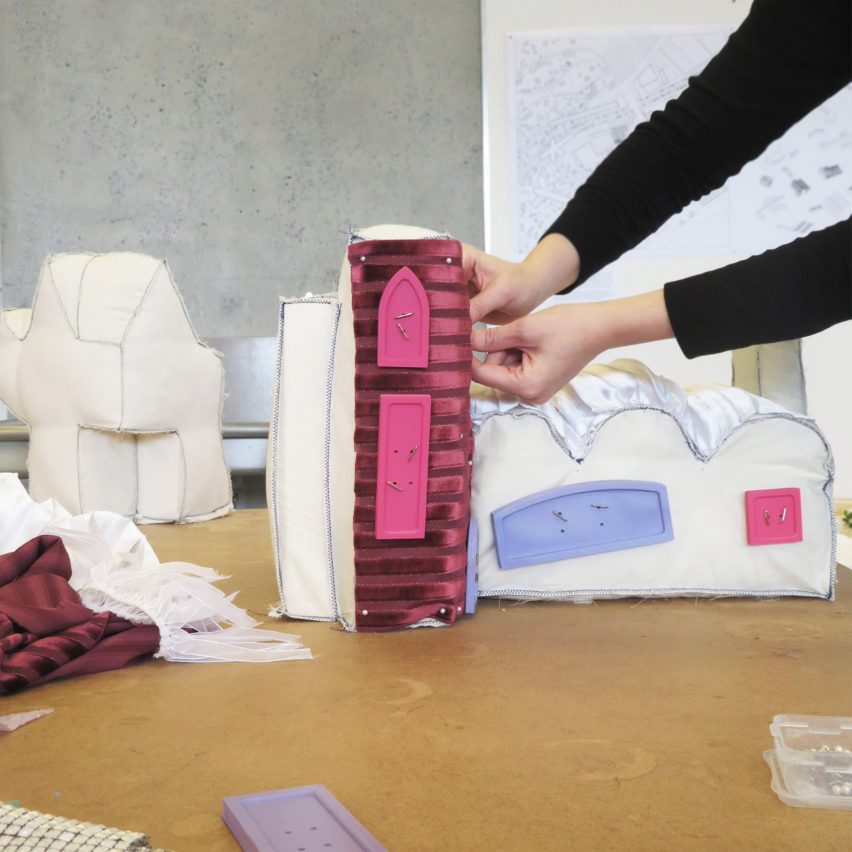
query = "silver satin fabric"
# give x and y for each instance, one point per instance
(707, 415)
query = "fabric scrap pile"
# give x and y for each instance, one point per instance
(86, 593)
(45, 630)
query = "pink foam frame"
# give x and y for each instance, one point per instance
(403, 338)
(774, 516)
(403, 466)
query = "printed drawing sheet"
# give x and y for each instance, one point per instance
(574, 95)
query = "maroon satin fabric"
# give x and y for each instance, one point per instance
(442, 406)
(400, 582)
(45, 630)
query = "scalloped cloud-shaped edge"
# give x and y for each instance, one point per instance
(707, 418)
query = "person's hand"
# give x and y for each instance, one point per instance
(534, 356)
(502, 291)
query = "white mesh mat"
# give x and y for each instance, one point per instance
(21, 829)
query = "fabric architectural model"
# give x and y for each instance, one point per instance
(624, 485)
(122, 400)
(370, 441)
(118, 601)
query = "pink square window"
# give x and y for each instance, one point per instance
(774, 516)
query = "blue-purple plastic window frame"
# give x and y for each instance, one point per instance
(472, 585)
(276, 820)
(509, 550)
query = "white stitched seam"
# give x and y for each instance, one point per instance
(329, 542)
(276, 532)
(647, 592)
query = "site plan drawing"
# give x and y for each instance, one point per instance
(574, 95)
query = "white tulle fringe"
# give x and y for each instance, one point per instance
(115, 569)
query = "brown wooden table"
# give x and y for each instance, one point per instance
(618, 725)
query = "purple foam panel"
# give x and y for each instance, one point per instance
(298, 819)
(580, 520)
(472, 590)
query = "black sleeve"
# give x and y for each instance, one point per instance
(788, 292)
(787, 57)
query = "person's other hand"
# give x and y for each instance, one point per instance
(534, 356)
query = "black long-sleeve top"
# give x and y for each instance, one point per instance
(787, 57)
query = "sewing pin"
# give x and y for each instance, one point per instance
(766, 516)
(403, 316)
(560, 516)
(412, 451)
(404, 332)
(598, 506)
(393, 485)
(783, 514)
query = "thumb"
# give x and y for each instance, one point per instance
(497, 338)
(487, 301)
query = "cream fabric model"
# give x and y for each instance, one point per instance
(311, 474)
(707, 449)
(122, 400)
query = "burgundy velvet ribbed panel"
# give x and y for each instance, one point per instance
(45, 630)
(399, 582)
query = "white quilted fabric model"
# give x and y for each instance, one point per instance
(122, 400)
(707, 449)
(311, 466)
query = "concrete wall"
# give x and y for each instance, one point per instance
(238, 138)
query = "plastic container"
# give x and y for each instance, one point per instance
(834, 802)
(814, 756)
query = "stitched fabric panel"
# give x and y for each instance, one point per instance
(400, 582)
